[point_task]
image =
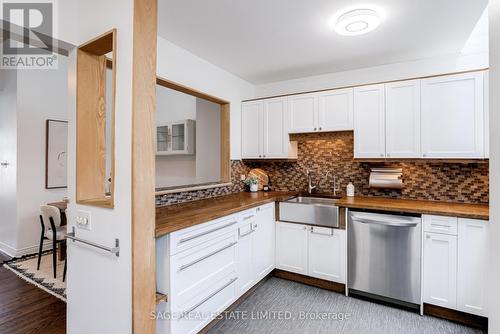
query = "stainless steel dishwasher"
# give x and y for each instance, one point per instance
(384, 256)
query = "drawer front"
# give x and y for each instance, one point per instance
(196, 235)
(198, 269)
(440, 224)
(199, 313)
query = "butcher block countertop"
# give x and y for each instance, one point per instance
(179, 216)
(474, 211)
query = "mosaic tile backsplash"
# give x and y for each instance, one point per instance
(333, 152)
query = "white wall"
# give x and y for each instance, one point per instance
(181, 66)
(99, 285)
(173, 106)
(398, 71)
(41, 95)
(494, 276)
(8, 151)
(207, 141)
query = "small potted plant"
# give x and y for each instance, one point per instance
(252, 183)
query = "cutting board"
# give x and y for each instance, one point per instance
(261, 175)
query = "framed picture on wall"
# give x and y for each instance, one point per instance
(56, 154)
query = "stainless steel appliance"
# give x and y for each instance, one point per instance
(310, 210)
(384, 256)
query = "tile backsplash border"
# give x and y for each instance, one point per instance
(465, 182)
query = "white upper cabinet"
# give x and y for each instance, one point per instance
(324, 111)
(335, 110)
(472, 266)
(303, 113)
(369, 121)
(265, 125)
(275, 138)
(453, 116)
(403, 119)
(251, 115)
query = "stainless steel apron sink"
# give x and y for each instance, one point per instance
(310, 210)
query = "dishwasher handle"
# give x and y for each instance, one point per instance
(396, 222)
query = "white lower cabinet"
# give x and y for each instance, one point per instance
(205, 268)
(326, 255)
(255, 249)
(455, 264)
(291, 247)
(314, 251)
(472, 266)
(440, 269)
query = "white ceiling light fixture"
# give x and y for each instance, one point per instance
(357, 22)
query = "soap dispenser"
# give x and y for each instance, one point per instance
(350, 190)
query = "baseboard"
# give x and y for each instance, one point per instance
(307, 280)
(463, 318)
(14, 252)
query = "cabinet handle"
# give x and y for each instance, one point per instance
(208, 297)
(248, 217)
(424, 155)
(320, 128)
(190, 264)
(260, 156)
(207, 232)
(248, 233)
(315, 129)
(428, 236)
(381, 155)
(330, 234)
(264, 155)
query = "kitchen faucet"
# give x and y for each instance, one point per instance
(310, 187)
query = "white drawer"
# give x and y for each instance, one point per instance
(212, 301)
(196, 235)
(440, 224)
(195, 271)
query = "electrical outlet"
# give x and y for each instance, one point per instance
(83, 220)
(243, 177)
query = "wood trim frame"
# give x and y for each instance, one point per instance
(143, 166)
(225, 135)
(47, 153)
(92, 65)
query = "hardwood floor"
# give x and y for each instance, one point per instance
(26, 309)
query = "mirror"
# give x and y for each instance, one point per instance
(96, 78)
(190, 130)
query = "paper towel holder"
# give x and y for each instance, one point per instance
(386, 177)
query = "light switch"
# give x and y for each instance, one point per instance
(243, 177)
(82, 220)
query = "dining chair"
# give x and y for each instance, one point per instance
(50, 219)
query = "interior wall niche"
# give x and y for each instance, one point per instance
(96, 66)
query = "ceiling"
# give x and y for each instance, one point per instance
(264, 41)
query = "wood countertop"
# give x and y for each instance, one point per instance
(474, 211)
(179, 216)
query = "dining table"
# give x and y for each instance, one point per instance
(62, 206)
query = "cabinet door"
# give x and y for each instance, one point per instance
(369, 121)
(453, 116)
(291, 247)
(303, 113)
(327, 254)
(335, 110)
(472, 266)
(264, 241)
(244, 255)
(251, 118)
(403, 119)
(275, 120)
(440, 270)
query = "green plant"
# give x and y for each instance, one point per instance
(251, 180)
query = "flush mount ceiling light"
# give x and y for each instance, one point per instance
(357, 22)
